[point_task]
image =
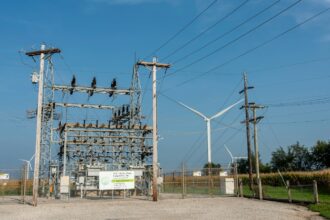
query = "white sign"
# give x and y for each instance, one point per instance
(4, 176)
(112, 180)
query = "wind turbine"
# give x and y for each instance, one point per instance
(233, 159)
(28, 162)
(208, 124)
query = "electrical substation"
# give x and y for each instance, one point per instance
(73, 153)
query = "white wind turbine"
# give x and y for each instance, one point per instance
(233, 159)
(234, 162)
(208, 124)
(28, 162)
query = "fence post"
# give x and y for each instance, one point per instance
(236, 180)
(315, 191)
(289, 191)
(22, 183)
(183, 181)
(240, 183)
(164, 183)
(25, 169)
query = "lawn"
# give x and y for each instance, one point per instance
(324, 206)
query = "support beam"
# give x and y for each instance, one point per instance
(76, 105)
(87, 89)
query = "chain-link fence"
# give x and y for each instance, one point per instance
(15, 185)
(200, 182)
(225, 182)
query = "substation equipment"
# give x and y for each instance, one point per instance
(73, 153)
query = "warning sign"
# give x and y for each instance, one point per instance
(112, 180)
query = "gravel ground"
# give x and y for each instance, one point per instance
(167, 208)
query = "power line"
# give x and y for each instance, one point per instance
(301, 103)
(297, 122)
(237, 38)
(181, 30)
(293, 81)
(226, 33)
(253, 48)
(289, 65)
(206, 30)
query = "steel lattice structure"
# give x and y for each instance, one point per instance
(121, 142)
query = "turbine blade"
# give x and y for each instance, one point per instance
(32, 157)
(225, 110)
(193, 110)
(230, 154)
(30, 166)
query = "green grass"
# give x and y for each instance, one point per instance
(303, 194)
(322, 208)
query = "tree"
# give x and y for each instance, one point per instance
(296, 158)
(265, 168)
(215, 168)
(300, 157)
(321, 155)
(279, 159)
(243, 166)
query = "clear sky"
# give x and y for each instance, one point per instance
(101, 37)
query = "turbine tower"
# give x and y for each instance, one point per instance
(208, 124)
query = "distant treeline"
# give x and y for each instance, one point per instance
(295, 157)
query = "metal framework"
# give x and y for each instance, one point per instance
(73, 148)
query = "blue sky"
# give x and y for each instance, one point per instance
(101, 37)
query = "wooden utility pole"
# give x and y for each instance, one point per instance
(255, 120)
(247, 117)
(42, 54)
(154, 65)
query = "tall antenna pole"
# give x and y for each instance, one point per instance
(246, 107)
(154, 66)
(42, 54)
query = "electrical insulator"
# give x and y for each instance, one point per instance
(35, 78)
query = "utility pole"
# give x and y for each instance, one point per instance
(154, 65)
(42, 52)
(246, 107)
(255, 120)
